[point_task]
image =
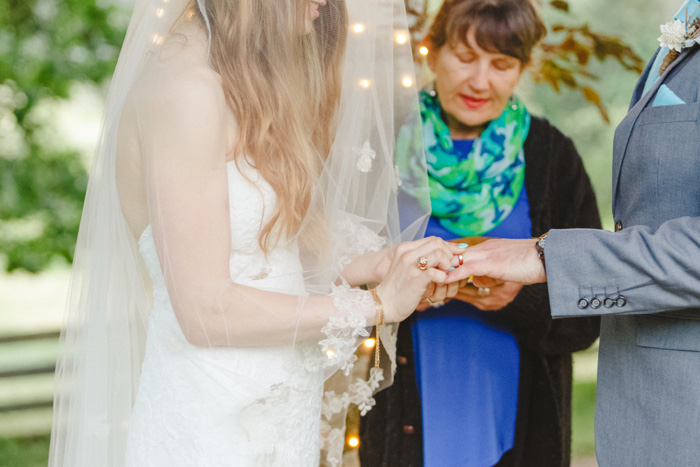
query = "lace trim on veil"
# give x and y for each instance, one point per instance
(342, 338)
(334, 410)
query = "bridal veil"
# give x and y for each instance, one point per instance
(340, 88)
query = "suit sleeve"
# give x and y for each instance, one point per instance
(572, 204)
(640, 270)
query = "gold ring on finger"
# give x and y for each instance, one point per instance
(422, 263)
(483, 291)
(461, 259)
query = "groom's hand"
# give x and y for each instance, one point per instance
(499, 260)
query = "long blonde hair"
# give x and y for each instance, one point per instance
(283, 86)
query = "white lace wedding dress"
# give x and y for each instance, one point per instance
(229, 407)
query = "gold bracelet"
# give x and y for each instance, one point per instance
(379, 321)
(379, 306)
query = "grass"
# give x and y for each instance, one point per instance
(583, 408)
(583, 402)
(24, 452)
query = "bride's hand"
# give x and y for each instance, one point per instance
(405, 284)
(437, 295)
(383, 259)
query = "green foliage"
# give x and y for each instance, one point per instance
(48, 44)
(45, 47)
(45, 196)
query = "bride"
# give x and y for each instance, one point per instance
(244, 187)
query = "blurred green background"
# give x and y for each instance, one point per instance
(56, 58)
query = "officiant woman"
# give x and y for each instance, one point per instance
(475, 388)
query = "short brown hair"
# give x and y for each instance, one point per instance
(510, 27)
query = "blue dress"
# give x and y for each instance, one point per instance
(467, 367)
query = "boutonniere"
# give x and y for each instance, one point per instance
(676, 36)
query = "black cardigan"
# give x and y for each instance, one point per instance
(560, 196)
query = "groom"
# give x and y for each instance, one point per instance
(644, 279)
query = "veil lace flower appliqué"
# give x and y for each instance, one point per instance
(366, 156)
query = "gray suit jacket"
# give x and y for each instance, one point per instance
(644, 280)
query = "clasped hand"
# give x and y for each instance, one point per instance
(414, 274)
(490, 298)
(414, 271)
(491, 275)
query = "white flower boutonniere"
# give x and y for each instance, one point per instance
(676, 36)
(673, 35)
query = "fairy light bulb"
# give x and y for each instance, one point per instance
(365, 83)
(407, 81)
(358, 28)
(423, 50)
(353, 441)
(330, 354)
(157, 39)
(160, 12)
(370, 342)
(401, 37)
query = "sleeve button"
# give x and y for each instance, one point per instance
(608, 302)
(621, 301)
(409, 429)
(402, 360)
(582, 303)
(595, 303)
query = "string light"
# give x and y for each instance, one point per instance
(407, 81)
(423, 50)
(370, 342)
(330, 354)
(157, 39)
(358, 28)
(401, 37)
(365, 83)
(353, 441)
(160, 12)
(190, 14)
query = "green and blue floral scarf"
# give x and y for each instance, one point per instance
(472, 195)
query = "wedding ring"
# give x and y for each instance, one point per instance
(430, 301)
(461, 259)
(483, 291)
(422, 263)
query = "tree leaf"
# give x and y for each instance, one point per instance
(593, 97)
(560, 5)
